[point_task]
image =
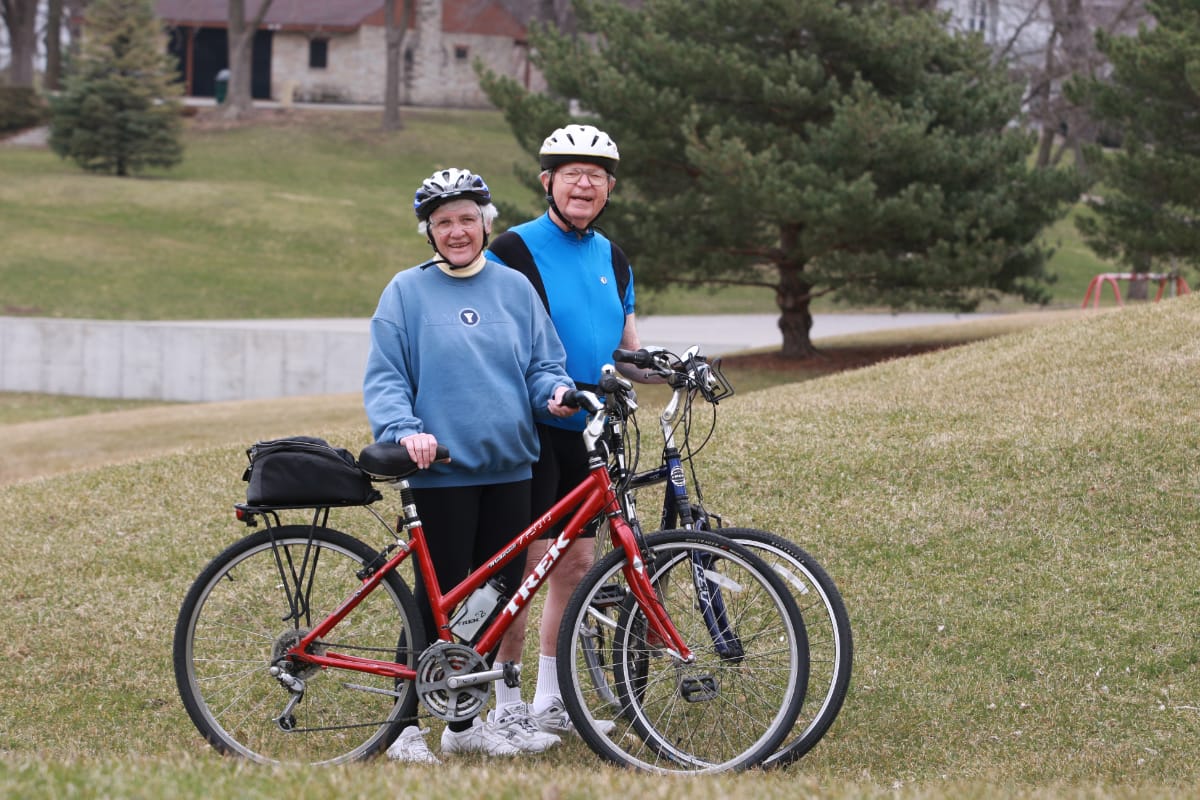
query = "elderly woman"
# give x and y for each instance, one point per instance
(462, 352)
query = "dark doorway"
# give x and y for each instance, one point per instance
(209, 51)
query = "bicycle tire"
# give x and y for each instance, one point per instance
(713, 715)
(826, 622)
(236, 617)
(830, 642)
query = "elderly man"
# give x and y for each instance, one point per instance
(586, 284)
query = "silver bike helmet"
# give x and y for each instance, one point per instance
(579, 143)
(449, 184)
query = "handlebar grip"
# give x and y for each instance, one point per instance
(639, 358)
(612, 382)
(570, 398)
(579, 398)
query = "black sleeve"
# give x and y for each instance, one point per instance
(511, 249)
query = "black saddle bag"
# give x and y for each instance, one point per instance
(305, 471)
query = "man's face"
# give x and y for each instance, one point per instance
(457, 229)
(580, 191)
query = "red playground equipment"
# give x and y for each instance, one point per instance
(1111, 278)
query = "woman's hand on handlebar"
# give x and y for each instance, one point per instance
(422, 448)
(555, 404)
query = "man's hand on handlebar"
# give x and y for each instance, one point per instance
(642, 365)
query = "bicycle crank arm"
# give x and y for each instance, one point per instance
(474, 679)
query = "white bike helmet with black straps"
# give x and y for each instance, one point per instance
(577, 144)
(451, 184)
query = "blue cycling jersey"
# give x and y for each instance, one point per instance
(581, 290)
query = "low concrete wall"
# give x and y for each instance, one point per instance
(185, 361)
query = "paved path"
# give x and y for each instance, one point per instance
(213, 360)
(727, 333)
(30, 137)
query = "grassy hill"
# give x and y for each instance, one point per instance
(1012, 523)
(297, 213)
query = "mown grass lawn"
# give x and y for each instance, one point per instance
(297, 213)
(1011, 523)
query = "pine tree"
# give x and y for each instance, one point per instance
(1146, 211)
(119, 110)
(809, 146)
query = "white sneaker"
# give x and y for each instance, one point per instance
(554, 719)
(410, 747)
(515, 716)
(481, 738)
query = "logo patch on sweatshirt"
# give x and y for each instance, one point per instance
(469, 317)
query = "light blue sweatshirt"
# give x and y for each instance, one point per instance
(467, 360)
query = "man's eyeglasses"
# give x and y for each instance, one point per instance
(595, 177)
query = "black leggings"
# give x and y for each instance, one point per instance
(562, 466)
(464, 527)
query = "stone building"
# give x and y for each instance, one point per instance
(322, 51)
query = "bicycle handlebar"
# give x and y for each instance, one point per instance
(580, 398)
(692, 370)
(639, 358)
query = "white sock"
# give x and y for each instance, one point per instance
(506, 696)
(547, 684)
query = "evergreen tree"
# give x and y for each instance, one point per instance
(1146, 213)
(119, 110)
(810, 146)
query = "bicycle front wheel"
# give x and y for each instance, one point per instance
(638, 705)
(255, 600)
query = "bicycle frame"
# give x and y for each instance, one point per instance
(593, 496)
(670, 471)
(676, 504)
(694, 376)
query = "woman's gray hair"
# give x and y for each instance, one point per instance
(489, 213)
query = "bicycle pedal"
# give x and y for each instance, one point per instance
(699, 690)
(610, 594)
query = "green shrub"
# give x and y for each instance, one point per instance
(119, 111)
(20, 108)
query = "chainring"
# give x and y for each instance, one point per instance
(438, 664)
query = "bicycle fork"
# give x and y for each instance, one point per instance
(707, 581)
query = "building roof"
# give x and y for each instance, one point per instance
(485, 17)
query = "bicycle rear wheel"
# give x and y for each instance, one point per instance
(830, 646)
(252, 602)
(731, 707)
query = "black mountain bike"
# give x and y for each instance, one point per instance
(830, 642)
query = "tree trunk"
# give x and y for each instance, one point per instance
(238, 100)
(1079, 51)
(795, 320)
(74, 13)
(20, 17)
(394, 34)
(54, 13)
(1044, 102)
(794, 294)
